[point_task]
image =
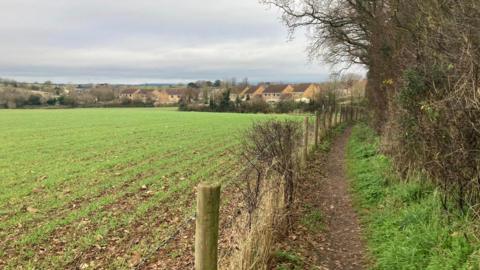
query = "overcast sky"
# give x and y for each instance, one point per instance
(138, 41)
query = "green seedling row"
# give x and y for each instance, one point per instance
(71, 180)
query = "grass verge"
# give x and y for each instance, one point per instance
(405, 225)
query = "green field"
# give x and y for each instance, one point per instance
(104, 181)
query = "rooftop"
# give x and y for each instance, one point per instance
(277, 88)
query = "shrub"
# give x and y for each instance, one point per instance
(255, 105)
(285, 106)
(271, 147)
(52, 101)
(34, 100)
(435, 128)
(67, 101)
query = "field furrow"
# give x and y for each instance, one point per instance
(94, 186)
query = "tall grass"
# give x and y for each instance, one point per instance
(406, 227)
(256, 244)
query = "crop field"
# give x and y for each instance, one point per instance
(102, 184)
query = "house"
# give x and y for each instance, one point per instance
(136, 94)
(236, 92)
(274, 93)
(128, 93)
(252, 92)
(174, 95)
(168, 96)
(160, 97)
(247, 93)
(304, 91)
(259, 91)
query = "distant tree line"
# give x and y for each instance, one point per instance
(15, 94)
(321, 101)
(23, 95)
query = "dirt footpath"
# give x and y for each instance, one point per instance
(338, 243)
(342, 247)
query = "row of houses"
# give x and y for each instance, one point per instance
(271, 93)
(164, 96)
(276, 92)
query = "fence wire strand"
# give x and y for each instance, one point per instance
(191, 218)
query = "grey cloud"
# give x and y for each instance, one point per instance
(148, 41)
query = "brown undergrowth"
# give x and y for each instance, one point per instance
(255, 245)
(298, 250)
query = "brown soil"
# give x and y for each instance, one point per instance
(178, 253)
(338, 243)
(119, 242)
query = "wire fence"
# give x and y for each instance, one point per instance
(326, 120)
(187, 221)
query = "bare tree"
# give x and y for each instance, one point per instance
(103, 93)
(423, 61)
(347, 31)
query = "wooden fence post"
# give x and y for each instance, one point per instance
(332, 118)
(340, 114)
(324, 131)
(305, 139)
(206, 231)
(348, 113)
(337, 115)
(328, 117)
(317, 120)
